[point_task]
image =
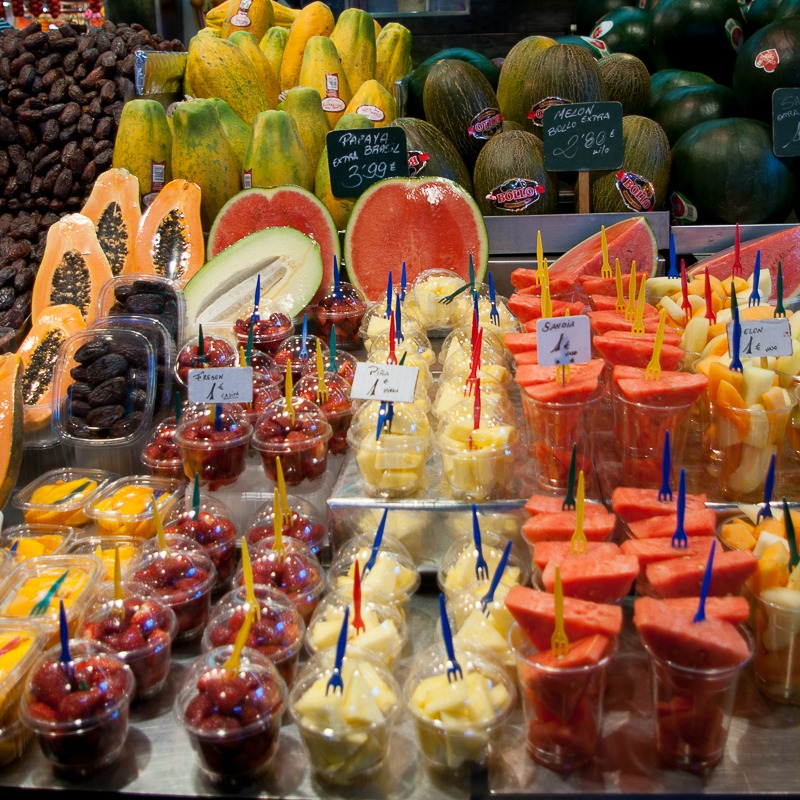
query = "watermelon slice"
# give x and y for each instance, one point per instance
(584, 653)
(549, 504)
(528, 357)
(591, 284)
(523, 277)
(672, 389)
(527, 308)
(253, 210)
(430, 223)
(605, 321)
(632, 504)
(648, 551)
(735, 610)
(607, 302)
(531, 375)
(545, 553)
(554, 392)
(783, 246)
(637, 352)
(535, 612)
(699, 522)
(520, 342)
(683, 577)
(671, 337)
(601, 579)
(560, 526)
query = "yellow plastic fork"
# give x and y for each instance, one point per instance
(578, 546)
(630, 307)
(322, 388)
(605, 270)
(559, 643)
(653, 370)
(638, 322)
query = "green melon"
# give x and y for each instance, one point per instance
(683, 108)
(665, 80)
(512, 77)
(626, 79)
(760, 13)
(595, 47)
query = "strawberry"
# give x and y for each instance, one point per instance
(80, 704)
(221, 635)
(199, 707)
(43, 712)
(50, 684)
(132, 639)
(216, 722)
(230, 693)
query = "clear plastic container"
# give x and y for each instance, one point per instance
(336, 406)
(104, 548)
(37, 540)
(458, 344)
(413, 343)
(271, 330)
(457, 388)
(376, 321)
(306, 524)
(291, 352)
(37, 428)
(219, 350)
(344, 364)
(35, 587)
(508, 322)
(161, 456)
(265, 391)
(58, 496)
(430, 288)
(459, 362)
(344, 310)
(125, 507)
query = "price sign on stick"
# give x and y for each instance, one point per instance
(223, 385)
(359, 158)
(763, 338)
(384, 382)
(786, 122)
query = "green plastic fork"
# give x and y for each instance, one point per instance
(40, 608)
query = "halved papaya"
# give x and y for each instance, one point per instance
(11, 429)
(38, 352)
(73, 269)
(113, 207)
(170, 238)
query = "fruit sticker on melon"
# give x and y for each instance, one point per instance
(430, 223)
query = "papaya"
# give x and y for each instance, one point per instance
(39, 351)
(170, 239)
(210, 32)
(218, 68)
(254, 16)
(272, 45)
(304, 104)
(354, 37)
(73, 269)
(284, 16)
(11, 432)
(276, 154)
(216, 16)
(392, 54)
(266, 76)
(316, 19)
(374, 102)
(144, 146)
(237, 131)
(322, 69)
(113, 207)
(340, 207)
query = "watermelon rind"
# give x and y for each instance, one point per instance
(400, 220)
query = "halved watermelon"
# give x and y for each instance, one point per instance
(535, 613)
(550, 504)
(560, 525)
(601, 579)
(735, 610)
(531, 375)
(699, 522)
(632, 504)
(648, 551)
(253, 210)
(637, 352)
(526, 307)
(545, 553)
(683, 577)
(430, 223)
(672, 389)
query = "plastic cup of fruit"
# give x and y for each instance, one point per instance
(458, 722)
(455, 389)
(459, 362)
(508, 322)
(301, 442)
(375, 322)
(296, 572)
(161, 456)
(385, 630)
(563, 705)
(459, 341)
(37, 539)
(432, 286)
(292, 350)
(345, 311)
(140, 630)
(413, 343)
(265, 391)
(81, 725)
(270, 332)
(232, 718)
(337, 408)
(218, 351)
(306, 525)
(182, 576)
(214, 446)
(346, 734)
(425, 381)
(344, 366)
(393, 464)
(693, 709)
(58, 496)
(213, 527)
(277, 634)
(104, 548)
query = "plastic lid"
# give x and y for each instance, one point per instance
(345, 364)
(37, 539)
(375, 321)
(460, 340)
(59, 495)
(104, 548)
(211, 525)
(457, 433)
(21, 642)
(453, 391)
(276, 431)
(335, 308)
(413, 343)
(408, 422)
(307, 524)
(292, 347)
(338, 402)
(213, 428)
(218, 351)
(433, 285)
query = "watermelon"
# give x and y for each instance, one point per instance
(549, 504)
(520, 342)
(783, 246)
(683, 577)
(528, 357)
(734, 610)
(637, 352)
(526, 307)
(673, 388)
(591, 284)
(605, 321)
(632, 504)
(665, 80)
(601, 579)
(626, 30)
(648, 551)
(535, 611)
(608, 302)
(548, 552)
(697, 522)
(554, 392)
(682, 108)
(587, 12)
(560, 526)
(430, 223)
(584, 653)
(671, 337)
(531, 375)
(629, 240)
(253, 210)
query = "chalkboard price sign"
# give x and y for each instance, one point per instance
(786, 122)
(583, 136)
(359, 158)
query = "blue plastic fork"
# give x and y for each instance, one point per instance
(780, 310)
(454, 671)
(788, 523)
(765, 510)
(63, 629)
(254, 317)
(335, 682)
(304, 339)
(376, 545)
(673, 269)
(337, 284)
(701, 608)
(398, 322)
(494, 314)
(665, 492)
(388, 296)
(755, 296)
(498, 574)
(679, 538)
(403, 283)
(736, 360)
(481, 567)
(40, 608)
(569, 500)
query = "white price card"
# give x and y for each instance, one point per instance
(221, 385)
(563, 340)
(762, 339)
(384, 382)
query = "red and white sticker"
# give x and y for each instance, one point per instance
(735, 33)
(597, 44)
(247, 179)
(768, 60)
(240, 18)
(158, 177)
(371, 112)
(416, 162)
(603, 28)
(282, 95)
(332, 101)
(637, 193)
(486, 124)
(682, 209)
(536, 114)
(516, 194)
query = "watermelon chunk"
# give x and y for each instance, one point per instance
(584, 653)
(605, 321)
(554, 392)
(548, 552)
(520, 342)
(601, 579)
(735, 610)
(673, 388)
(529, 374)
(699, 522)
(524, 276)
(683, 577)
(648, 551)
(591, 284)
(637, 352)
(527, 308)
(560, 526)
(549, 504)
(607, 302)
(632, 504)
(430, 223)
(535, 611)
(529, 357)
(671, 337)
